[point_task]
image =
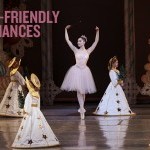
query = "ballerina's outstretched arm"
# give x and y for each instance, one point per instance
(96, 41)
(73, 48)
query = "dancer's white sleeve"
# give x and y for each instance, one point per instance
(28, 102)
(39, 103)
(113, 78)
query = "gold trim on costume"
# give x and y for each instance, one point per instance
(14, 81)
(34, 105)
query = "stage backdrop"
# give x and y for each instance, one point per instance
(84, 15)
(142, 34)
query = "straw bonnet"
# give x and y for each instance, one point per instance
(11, 62)
(35, 80)
(14, 70)
(31, 89)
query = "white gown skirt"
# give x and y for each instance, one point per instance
(9, 104)
(79, 79)
(35, 132)
(113, 102)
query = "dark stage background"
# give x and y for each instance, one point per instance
(142, 34)
(109, 17)
(32, 61)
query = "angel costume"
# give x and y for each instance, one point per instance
(9, 105)
(114, 101)
(79, 77)
(34, 131)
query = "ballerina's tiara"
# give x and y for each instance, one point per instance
(84, 37)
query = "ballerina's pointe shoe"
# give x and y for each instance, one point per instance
(82, 113)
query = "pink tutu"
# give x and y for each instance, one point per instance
(79, 79)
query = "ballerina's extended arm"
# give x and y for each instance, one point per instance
(96, 41)
(73, 48)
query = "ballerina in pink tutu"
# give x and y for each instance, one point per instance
(79, 77)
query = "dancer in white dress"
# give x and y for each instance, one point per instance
(9, 105)
(79, 77)
(34, 131)
(114, 101)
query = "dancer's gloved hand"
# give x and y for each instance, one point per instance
(68, 27)
(97, 28)
(121, 82)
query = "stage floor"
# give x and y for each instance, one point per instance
(93, 133)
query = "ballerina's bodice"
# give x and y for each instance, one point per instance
(81, 57)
